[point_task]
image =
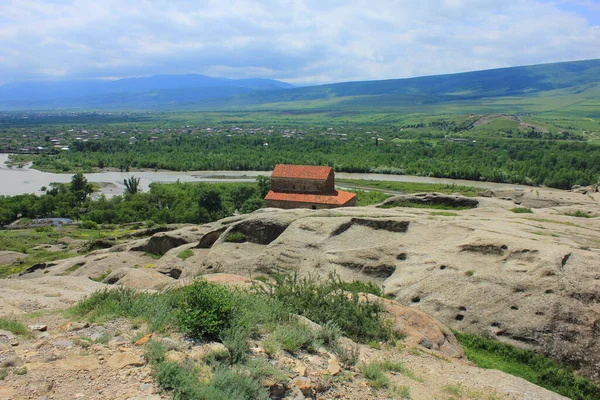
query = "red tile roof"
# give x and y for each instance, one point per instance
(339, 198)
(301, 172)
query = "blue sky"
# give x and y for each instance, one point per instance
(301, 42)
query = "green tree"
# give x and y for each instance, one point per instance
(132, 185)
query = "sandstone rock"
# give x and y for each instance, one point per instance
(304, 384)
(175, 356)
(141, 279)
(143, 340)
(78, 363)
(11, 257)
(77, 326)
(38, 327)
(432, 199)
(122, 360)
(300, 369)
(333, 367)
(6, 335)
(420, 328)
(12, 361)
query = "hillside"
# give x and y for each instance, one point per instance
(515, 89)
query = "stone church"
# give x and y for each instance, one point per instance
(304, 186)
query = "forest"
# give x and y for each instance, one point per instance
(162, 204)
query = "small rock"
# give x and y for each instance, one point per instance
(14, 343)
(145, 387)
(39, 327)
(96, 335)
(143, 340)
(12, 361)
(428, 344)
(276, 390)
(304, 384)
(333, 367)
(77, 363)
(121, 360)
(7, 334)
(301, 369)
(77, 326)
(63, 343)
(174, 356)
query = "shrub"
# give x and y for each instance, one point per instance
(89, 224)
(329, 301)
(347, 356)
(579, 214)
(205, 309)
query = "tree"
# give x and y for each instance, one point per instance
(264, 184)
(80, 186)
(132, 185)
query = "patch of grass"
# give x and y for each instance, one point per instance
(412, 187)
(414, 204)
(75, 267)
(185, 254)
(3, 373)
(155, 352)
(13, 326)
(580, 214)
(402, 392)
(363, 287)
(235, 237)
(375, 375)
(528, 365)
(444, 213)
(348, 356)
(102, 276)
(157, 310)
(522, 210)
(294, 336)
(367, 198)
(153, 255)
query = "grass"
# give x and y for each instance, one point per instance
(13, 326)
(444, 213)
(411, 187)
(235, 237)
(579, 214)
(374, 372)
(25, 241)
(528, 365)
(522, 210)
(185, 254)
(414, 204)
(367, 198)
(206, 310)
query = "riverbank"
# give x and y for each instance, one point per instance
(24, 180)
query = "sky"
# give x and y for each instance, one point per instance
(301, 42)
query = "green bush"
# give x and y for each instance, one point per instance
(205, 309)
(375, 375)
(295, 336)
(89, 224)
(155, 352)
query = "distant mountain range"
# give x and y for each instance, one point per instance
(203, 92)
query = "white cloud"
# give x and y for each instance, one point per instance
(297, 41)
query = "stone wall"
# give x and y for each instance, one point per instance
(312, 186)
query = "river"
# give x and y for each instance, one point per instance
(14, 181)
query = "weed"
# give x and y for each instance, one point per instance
(155, 352)
(374, 373)
(348, 356)
(329, 333)
(104, 339)
(294, 336)
(3, 373)
(402, 392)
(20, 371)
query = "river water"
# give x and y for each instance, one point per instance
(15, 181)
